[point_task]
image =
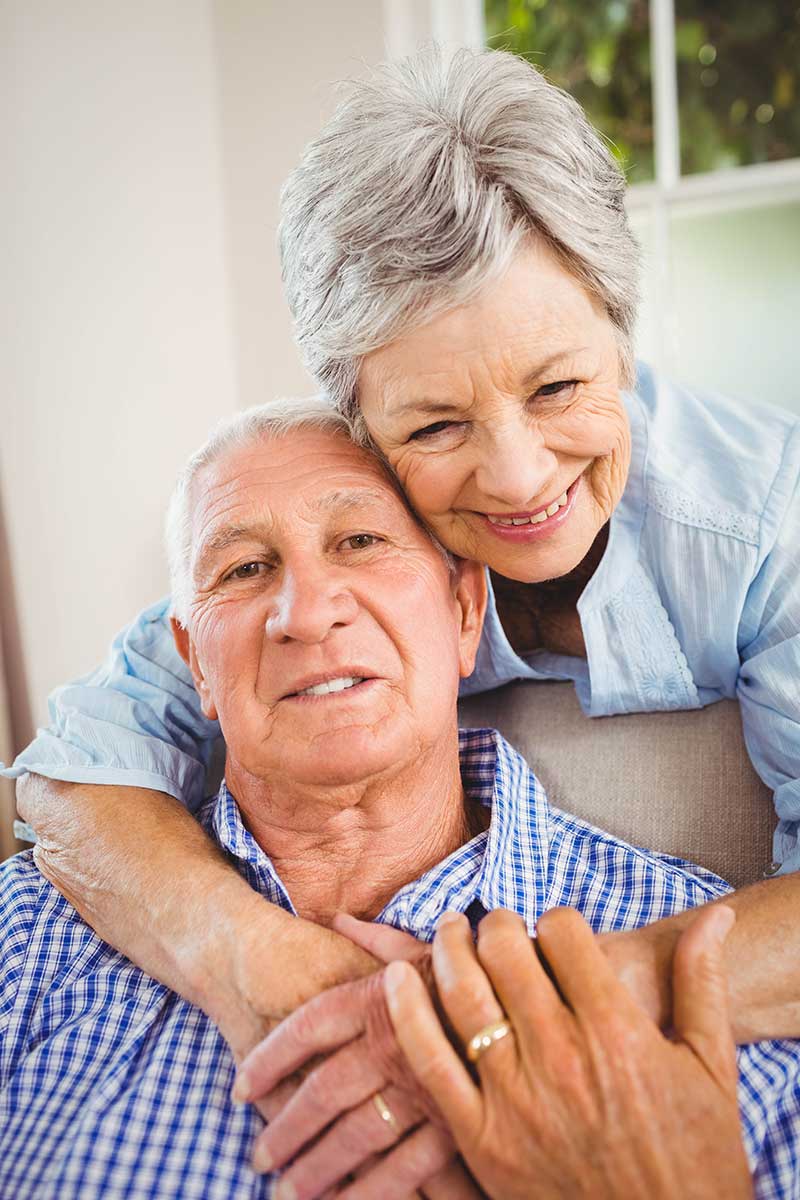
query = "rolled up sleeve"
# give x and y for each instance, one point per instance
(135, 721)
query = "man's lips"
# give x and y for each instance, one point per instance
(362, 675)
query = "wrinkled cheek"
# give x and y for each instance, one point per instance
(609, 472)
(428, 487)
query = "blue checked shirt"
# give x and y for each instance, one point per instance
(112, 1086)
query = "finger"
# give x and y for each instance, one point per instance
(422, 1154)
(340, 1083)
(464, 988)
(508, 955)
(581, 969)
(318, 1027)
(382, 941)
(270, 1105)
(431, 1057)
(701, 1015)
(453, 1183)
(352, 1140)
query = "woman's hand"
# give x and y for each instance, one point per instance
(587, 1098)
(351, 1025)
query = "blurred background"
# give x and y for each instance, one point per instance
(143, 149)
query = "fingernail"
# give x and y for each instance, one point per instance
(394, 976)
(240, 1092)
(286, 1190)
(262, 1162)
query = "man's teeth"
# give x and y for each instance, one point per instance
(332, 685)
(550, 511)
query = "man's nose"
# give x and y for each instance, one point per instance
(515, 466)
(309, 604)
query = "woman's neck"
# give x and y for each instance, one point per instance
(544, 616)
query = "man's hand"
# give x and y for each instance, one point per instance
(351, 1025)
(586, 1098)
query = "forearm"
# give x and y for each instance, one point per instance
(142, 872)
(762, 957)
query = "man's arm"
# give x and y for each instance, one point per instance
(142, 872)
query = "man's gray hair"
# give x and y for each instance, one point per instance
(271, 420)
(420, 189)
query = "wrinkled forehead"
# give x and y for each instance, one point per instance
(278, 478)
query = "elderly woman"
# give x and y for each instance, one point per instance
(463, 281)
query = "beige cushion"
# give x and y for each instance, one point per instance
(676, 782)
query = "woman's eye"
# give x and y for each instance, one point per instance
(560, 387)
(361, 541)
(437, 427)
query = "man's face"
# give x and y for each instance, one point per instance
(325, 633)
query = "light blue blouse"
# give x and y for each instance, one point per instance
(697, 598)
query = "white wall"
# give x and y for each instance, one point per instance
(143, 148)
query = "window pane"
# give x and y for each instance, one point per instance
(738, 82)
(599, 50)
(734, 303)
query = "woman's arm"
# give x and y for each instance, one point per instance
(762, 961)
(142, 872)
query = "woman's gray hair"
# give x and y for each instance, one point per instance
(420, 189)
(271, 420)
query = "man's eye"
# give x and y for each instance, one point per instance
(361, 541)
(560, 387)
(437, 427)
(247, 570)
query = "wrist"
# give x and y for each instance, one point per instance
(642, 961)
(261, 963)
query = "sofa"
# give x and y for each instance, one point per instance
(677, 782)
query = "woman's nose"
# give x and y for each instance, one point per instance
(515, 466)
(308, 605)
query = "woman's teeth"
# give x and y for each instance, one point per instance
(537, 519)
(332, 685)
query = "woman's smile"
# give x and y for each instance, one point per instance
(539, 523)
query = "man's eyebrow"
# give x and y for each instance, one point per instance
(229, 535)
(358, 498)
(433, 408)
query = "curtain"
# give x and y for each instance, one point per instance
(16, 725)
(8, 845)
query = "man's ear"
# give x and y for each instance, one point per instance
(471, 596)
(185, 647)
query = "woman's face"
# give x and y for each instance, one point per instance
(504, 422)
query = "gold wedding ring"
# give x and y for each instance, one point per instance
(486, 1037)
(385, 1113)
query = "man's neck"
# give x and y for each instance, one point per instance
(351, 848)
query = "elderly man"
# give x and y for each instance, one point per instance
(327, 633)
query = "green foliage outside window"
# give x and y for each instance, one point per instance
(738, 73)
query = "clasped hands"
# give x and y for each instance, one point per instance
(585, 1097)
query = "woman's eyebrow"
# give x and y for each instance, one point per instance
(430, 408)
(540, 368)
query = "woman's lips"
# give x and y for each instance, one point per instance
(535, 532)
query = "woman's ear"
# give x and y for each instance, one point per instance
(471, 596)
(186, 649)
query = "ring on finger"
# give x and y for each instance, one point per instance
(385, 1113)
(485, 1038)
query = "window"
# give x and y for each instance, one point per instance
(700, 102)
